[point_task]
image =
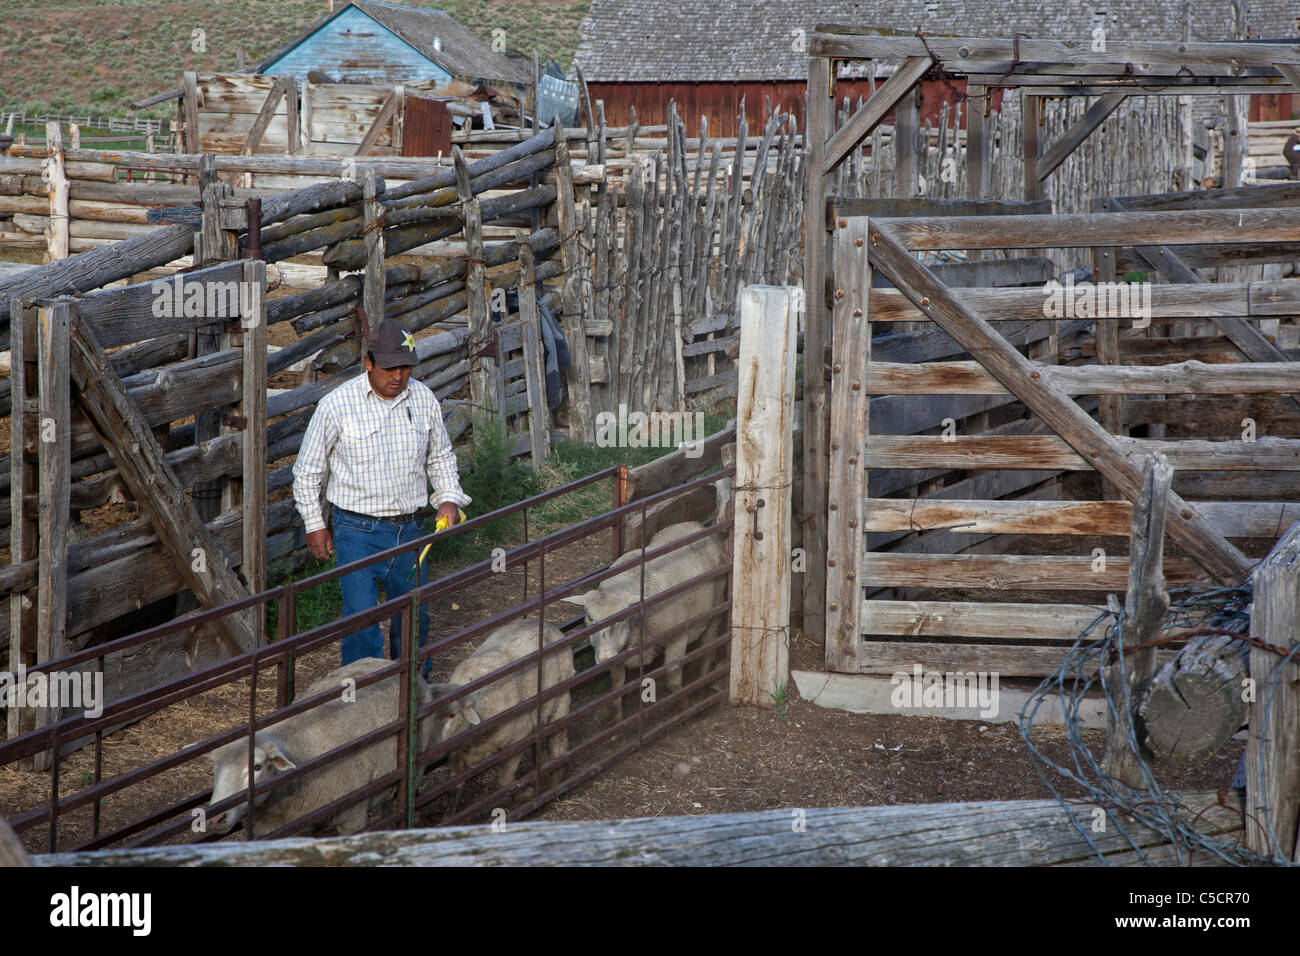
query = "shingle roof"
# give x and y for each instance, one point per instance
(648, 40)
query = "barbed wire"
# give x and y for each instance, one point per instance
(1214, 610)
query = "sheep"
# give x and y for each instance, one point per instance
(621, 591)
(302, 737)
(508, 643)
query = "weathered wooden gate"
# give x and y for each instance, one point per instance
(83, 432)
(940, 606)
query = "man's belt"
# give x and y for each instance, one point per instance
(391, 519)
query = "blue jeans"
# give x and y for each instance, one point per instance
(357, 538)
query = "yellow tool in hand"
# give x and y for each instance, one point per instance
(442, 524)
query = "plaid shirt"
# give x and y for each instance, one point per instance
(380, 455)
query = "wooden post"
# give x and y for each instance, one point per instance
(1031, 108)
(849, 408)
(1109, 407)
(374, 286)
(581, 418)
(23, 481)
(1144, 610)
(539, 415)
(1273, 752)
(151, 481)
(60, 224)
(760, 615)
(292, 124)
(816, 338)
(481, 376)
(979, 159)
(190, 107)
(54, 428)
(907, 117)
(252, 408)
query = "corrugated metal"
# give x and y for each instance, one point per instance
(426, 127)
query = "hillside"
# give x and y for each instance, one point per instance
(101, 56)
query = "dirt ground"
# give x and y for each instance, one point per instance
(727, 760)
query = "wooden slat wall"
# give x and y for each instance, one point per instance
(1004, 550)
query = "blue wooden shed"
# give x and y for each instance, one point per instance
(370, 42)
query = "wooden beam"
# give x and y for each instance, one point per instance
(481, 378)
(1031, 116)
(1063, 416)
(817, 328)
(979, 145)
(382, 119)
(1232, 519)
(1273, 750)
(1080, 230)
(896, 207)
(972, 378)
(1022, 622)
(154, 486)
(849, 428)
(907, 116)
(1082, 128)
(1051, 453)
(60, 221)
(54, 423)
(279, 89)
(252, 408)
(1015, 572)
(190, 106)
(762, 539)
(23, 480)
(1144, 610)
(539, 414)
(1012, 832)
(872, 112)
(582, 417)
(958, 52)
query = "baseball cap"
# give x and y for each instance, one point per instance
(391, 345)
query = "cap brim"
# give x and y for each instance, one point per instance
(394, 359)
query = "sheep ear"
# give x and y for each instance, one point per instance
(277, 759)
(579, 599)
(470, 713)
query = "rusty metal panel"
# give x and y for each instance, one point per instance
(426, 127)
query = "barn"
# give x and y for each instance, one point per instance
(708, 57)
(369, 42)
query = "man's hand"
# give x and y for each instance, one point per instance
(319, 544)
(449, 511)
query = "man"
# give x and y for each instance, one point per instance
(381, 441)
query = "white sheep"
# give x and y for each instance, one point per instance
(508, 643)
(623, 590)
(316, 731)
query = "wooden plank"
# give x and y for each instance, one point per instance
(252, 408)
(762, 538)
(1233, 519)
(897, 207)
(382, 120)
(849, 427)
(816, 326)
(979, 146)
(581, 414)
(1080, 230)
(894, 657)
(1013, 833)
(279, 90)
(23, 480)
(1256, 195)
(1145, 605)
(55, 426)
(482, 367)
(1022, 622)
(1050, 452)
(190, 107)
(1082, 128)
(1272, 748)
(1014, 572)
(1110, 407)
(869, 115)
(1031, 116)
(539, 414)
(373, 288)
(957, 53)
(971, 378)
(154, 486)
(60, 222)
(907, 115)
(292, 119)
